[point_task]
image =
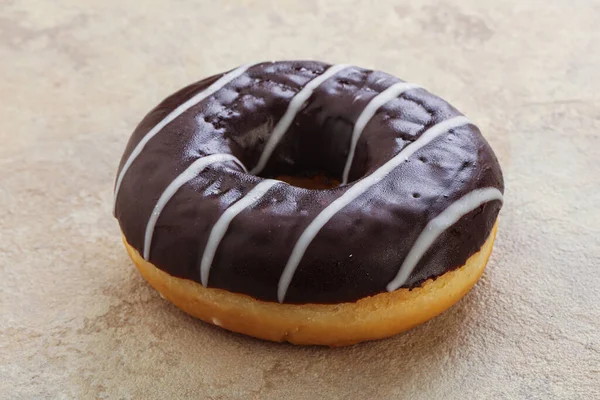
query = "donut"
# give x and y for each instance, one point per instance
(310, 203)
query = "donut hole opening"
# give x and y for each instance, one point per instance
(302, 167)
(314, 150)
(308, 170)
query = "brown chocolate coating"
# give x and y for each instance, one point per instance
(359, 251)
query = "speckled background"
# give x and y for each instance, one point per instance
(78, 322)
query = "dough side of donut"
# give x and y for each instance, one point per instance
(342, 324)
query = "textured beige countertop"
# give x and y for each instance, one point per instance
(78, 322)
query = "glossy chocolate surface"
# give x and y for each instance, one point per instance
(359, 251)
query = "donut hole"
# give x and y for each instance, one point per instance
(301, 170)
(313, 152)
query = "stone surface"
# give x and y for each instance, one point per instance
(78, 322)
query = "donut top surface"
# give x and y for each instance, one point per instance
(197, 192)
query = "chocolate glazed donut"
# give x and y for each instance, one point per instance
(197, 192)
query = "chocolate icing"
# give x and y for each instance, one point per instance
(360, 249)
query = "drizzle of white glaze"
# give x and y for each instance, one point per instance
(367, 113)
(191, 172)
(353, 192)
(295, 104)
(216, 86)
(437, 226)
(220, 227)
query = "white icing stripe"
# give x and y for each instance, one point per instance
(284, 123)
(191, 172)
(437, 226)
(356, 190)
(217, 85)
(365, 116)
(221, 226)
